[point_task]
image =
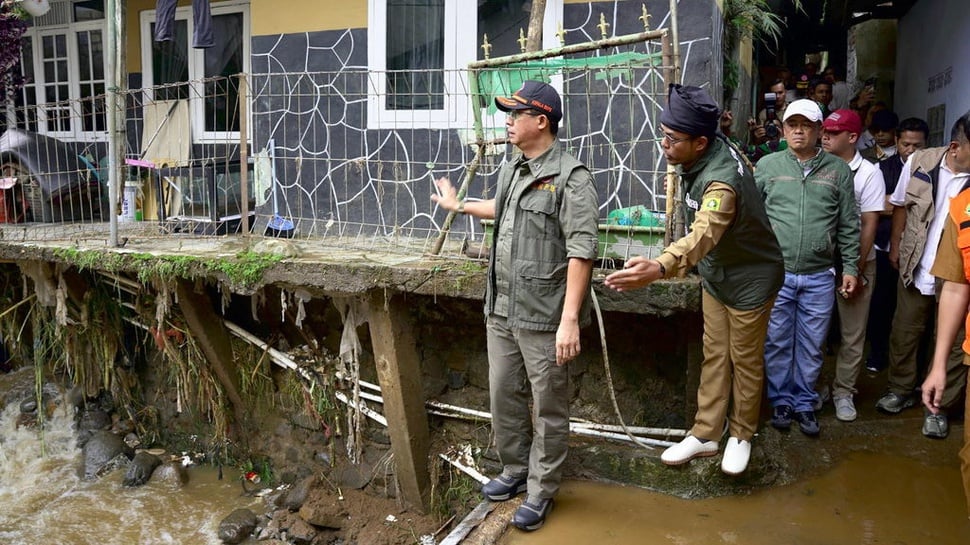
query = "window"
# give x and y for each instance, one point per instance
(205, 77)
(418, 50)
(62, 64)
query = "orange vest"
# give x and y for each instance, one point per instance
(960, 216)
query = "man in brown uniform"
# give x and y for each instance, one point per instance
(741, 266)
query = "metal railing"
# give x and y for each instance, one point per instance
(346, 158)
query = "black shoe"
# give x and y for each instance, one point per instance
(532, 513)
(807, 422)
(874, 365)
(781, 419)
(504, 487)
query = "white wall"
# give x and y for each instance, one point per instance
(933, 40)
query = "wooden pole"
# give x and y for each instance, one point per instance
(536, 19)
(399, 373)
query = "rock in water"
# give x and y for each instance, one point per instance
(171, 473)
(141, 468)
(237, 526)
(102, 448)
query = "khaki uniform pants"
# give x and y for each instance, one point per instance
(913, 311)
(733, 368)
(853, 318)
(520, 361)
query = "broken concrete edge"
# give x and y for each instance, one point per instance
(427, 276)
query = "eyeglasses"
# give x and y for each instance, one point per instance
(671, 139)
(516, 114)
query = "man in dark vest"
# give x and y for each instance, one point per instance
(741, 268)
(537, 297)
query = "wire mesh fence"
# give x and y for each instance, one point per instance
(344, 158)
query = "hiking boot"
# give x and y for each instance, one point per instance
(807, 422)
(737, 452)
(532, 513)
(935, 426)
(504, 487)
(688, 449)
(893, 403)
(844, 408)
(781, 419)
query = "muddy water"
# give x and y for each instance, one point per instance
(867, 499)
(43, 501)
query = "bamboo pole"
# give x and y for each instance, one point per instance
(614, 41)
(472, 169)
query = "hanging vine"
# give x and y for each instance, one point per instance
(12, 28)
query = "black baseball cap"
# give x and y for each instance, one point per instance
(533, 95)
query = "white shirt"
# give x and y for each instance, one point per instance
(841, 96)
(947, 187)
(870, 189)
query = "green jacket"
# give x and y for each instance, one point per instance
(745, 269)
(814, 215)
(556, 213)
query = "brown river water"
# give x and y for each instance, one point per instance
(43, 502)
(866, 497)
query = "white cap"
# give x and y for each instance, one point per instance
(804, 107)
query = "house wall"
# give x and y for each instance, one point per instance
(310, 88)
(272, 17)
(931, 65)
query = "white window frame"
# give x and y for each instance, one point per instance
(459, 51)
(197, 68)
(70, 31)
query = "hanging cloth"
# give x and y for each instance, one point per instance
(201, 20)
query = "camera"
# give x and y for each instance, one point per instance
(771, 130)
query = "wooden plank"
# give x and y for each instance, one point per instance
(399, 373)
(213, 338)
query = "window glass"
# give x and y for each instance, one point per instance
(223, 61)
(56, 90)
(88, 10)
(415, 54)
(501, 21)
(26, 103)
(91, 81)
(170, 63)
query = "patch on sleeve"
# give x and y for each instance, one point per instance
(712, 203)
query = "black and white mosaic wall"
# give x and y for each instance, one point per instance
(336, 176)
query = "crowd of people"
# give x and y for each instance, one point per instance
(874, 233)
(839, 217)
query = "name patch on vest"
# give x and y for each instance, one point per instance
(920, 175)
(544, 185)
(691, 203)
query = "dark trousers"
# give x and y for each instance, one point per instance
(201, 20)
(882, 307)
